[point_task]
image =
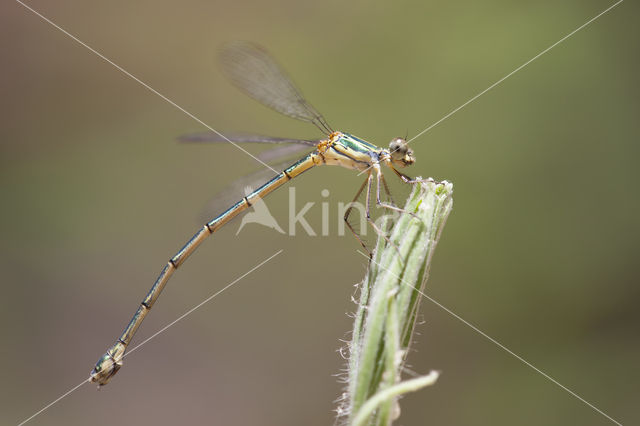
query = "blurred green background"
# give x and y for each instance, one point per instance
(540, 252)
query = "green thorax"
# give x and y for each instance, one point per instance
(348, 151)
(354, 143)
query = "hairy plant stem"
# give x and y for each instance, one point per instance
(388, 306)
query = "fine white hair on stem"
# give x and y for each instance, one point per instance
(386, 316)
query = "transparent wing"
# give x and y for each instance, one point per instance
(242, 138)
(254, 71)
(288, 148)
(238, 189)
(281, 152)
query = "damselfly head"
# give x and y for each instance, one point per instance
(401, 154)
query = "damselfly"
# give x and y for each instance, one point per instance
(255, 72)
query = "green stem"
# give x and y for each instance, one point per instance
(389, 299)
(391, 393)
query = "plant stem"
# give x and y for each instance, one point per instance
(407, 386)
(387, 311)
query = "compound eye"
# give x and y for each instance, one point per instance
(398, 147)
(397, 144)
